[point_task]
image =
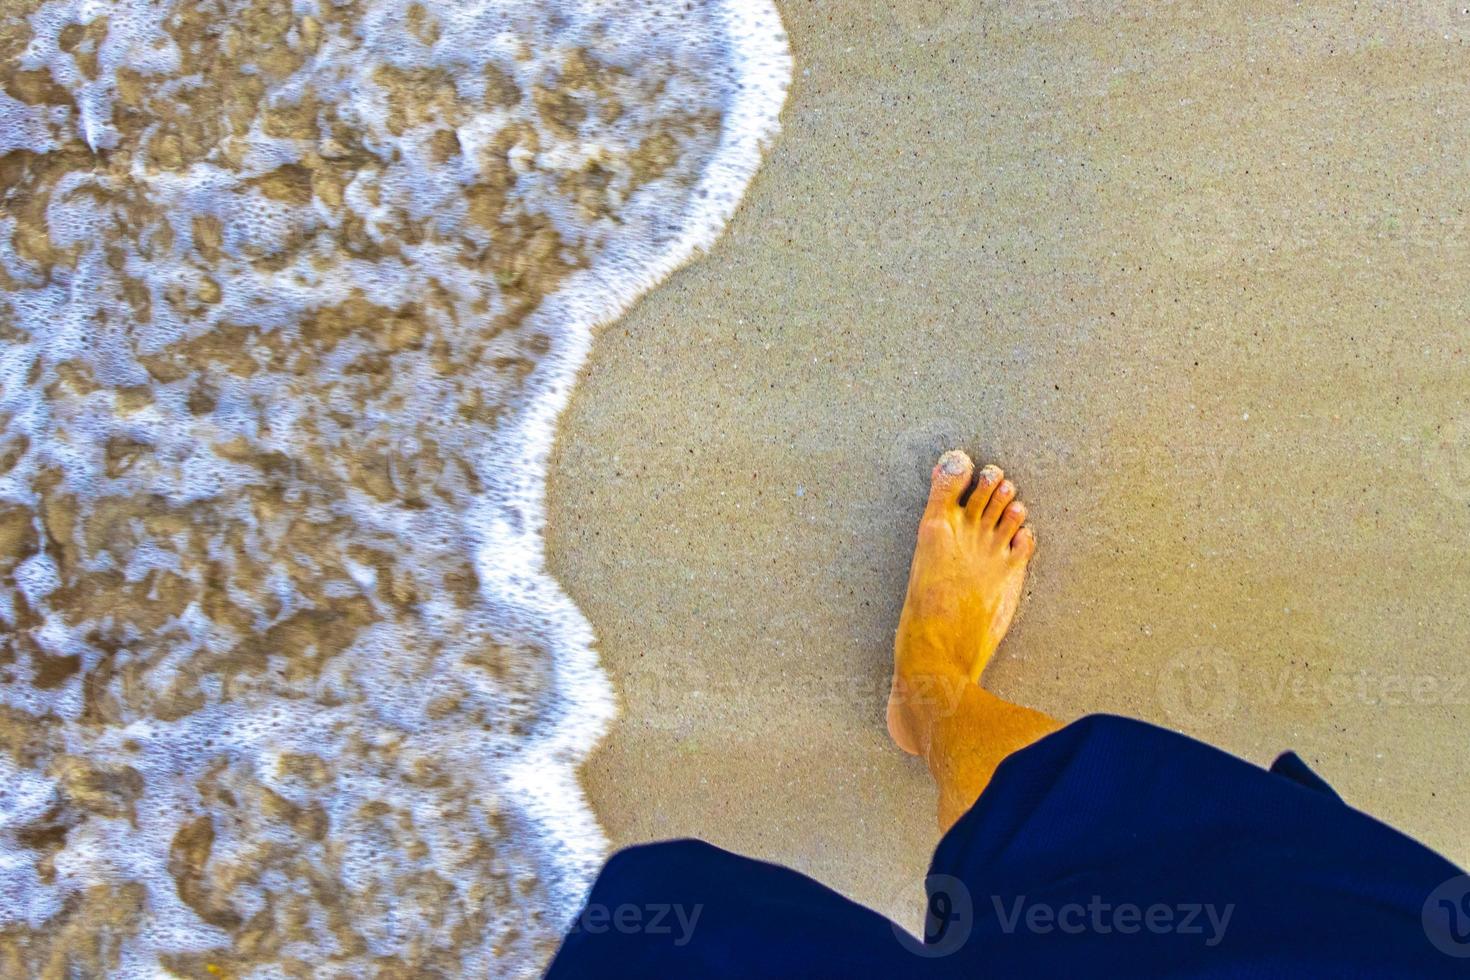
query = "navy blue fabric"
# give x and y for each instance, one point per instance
(1109, 848)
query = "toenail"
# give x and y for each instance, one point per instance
(1008, 487)
(990, 473)
(953, 464)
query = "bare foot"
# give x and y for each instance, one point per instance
(964, 586)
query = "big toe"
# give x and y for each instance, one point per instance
(951, 478)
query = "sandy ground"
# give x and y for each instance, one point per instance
(1194, 277)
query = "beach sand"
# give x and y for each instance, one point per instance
(289, 298)
(1195, 279)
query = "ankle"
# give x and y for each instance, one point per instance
(922, 699)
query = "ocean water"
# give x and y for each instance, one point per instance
(291, 295)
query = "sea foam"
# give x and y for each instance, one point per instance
(292, 293)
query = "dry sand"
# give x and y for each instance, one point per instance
(1195, 278)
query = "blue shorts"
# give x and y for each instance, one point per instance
(1109, 848)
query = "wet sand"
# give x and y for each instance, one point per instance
(285, 293)
(1196, 280)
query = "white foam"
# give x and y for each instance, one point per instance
(546, 769)
(368, 711)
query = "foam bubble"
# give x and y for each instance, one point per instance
(293, 297)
